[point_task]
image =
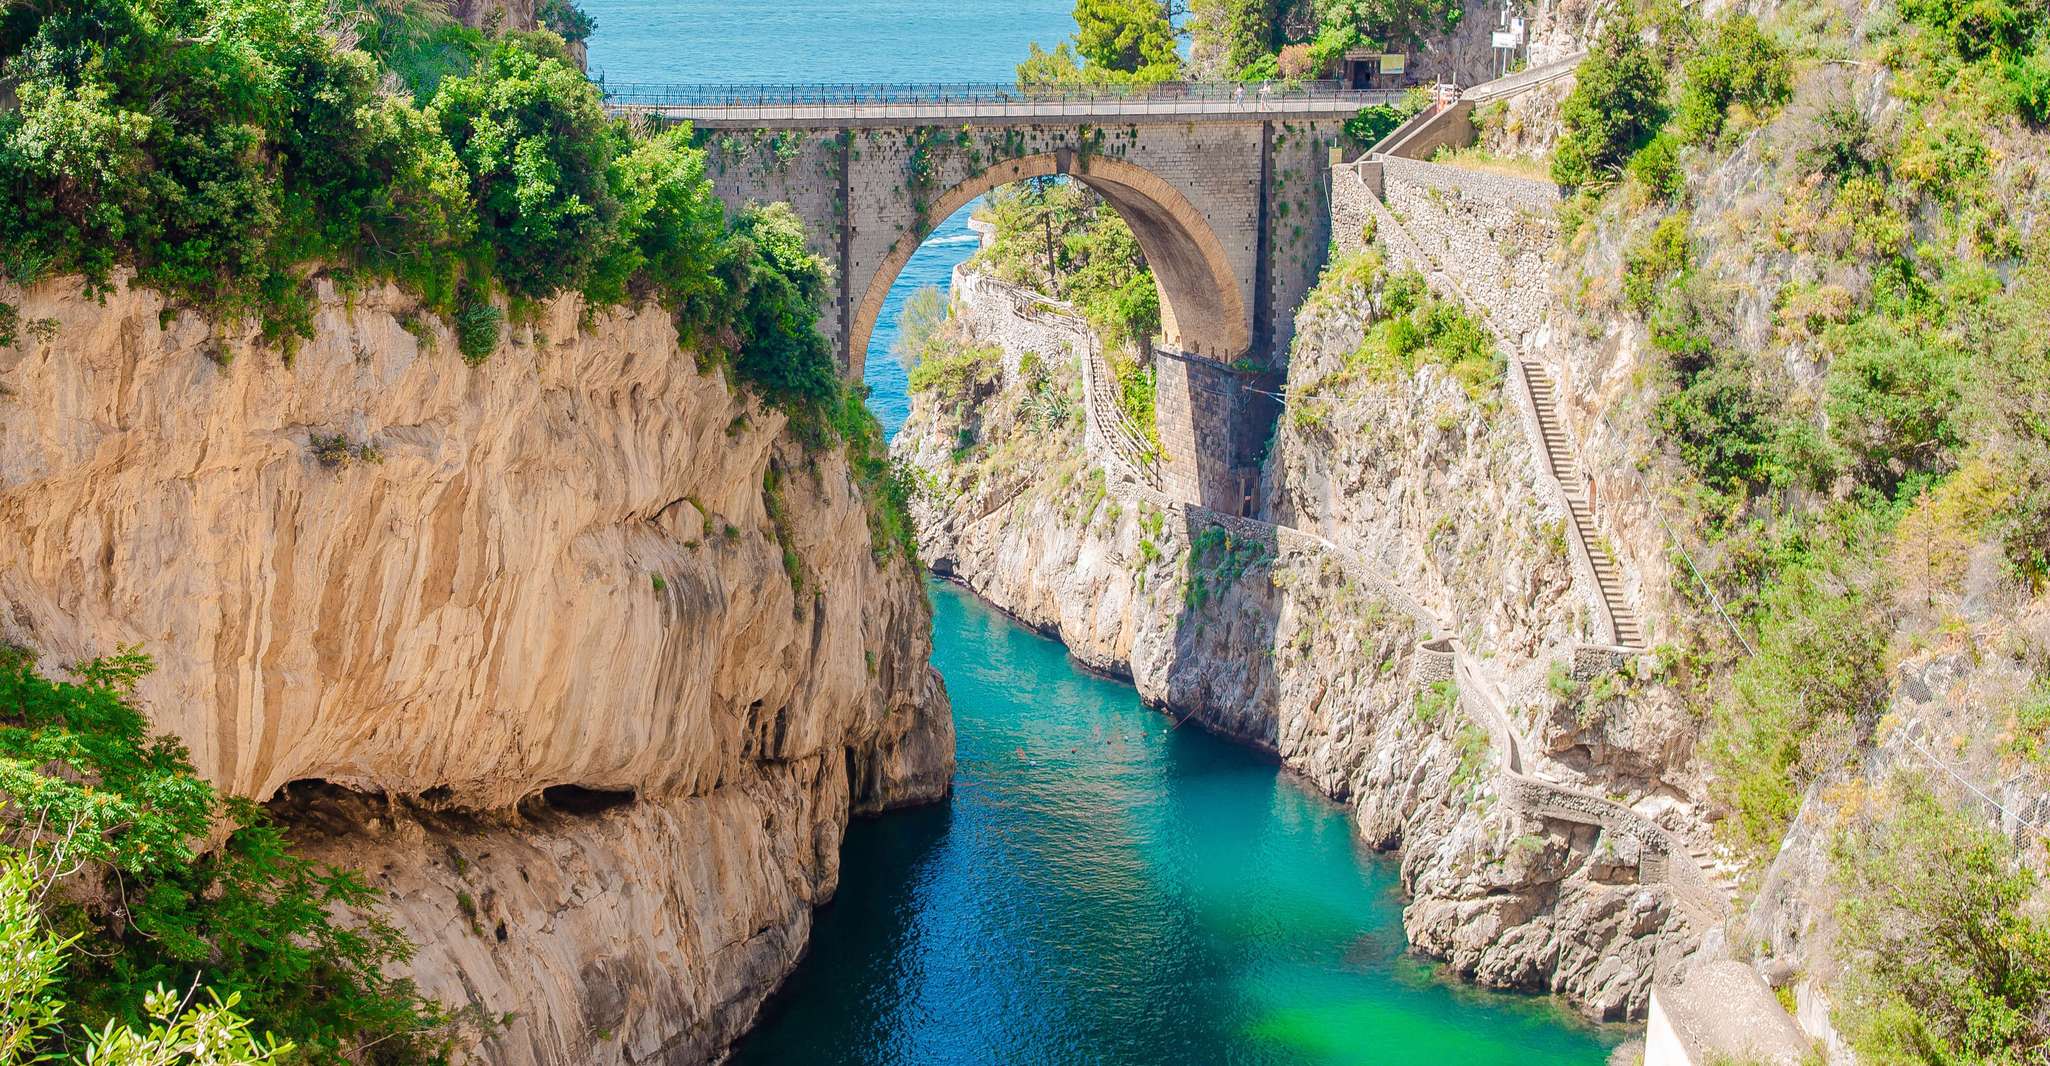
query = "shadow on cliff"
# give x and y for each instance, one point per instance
(1221, 670)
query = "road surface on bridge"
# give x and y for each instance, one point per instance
(844, 106)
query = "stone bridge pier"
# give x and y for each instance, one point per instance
(1228, 200)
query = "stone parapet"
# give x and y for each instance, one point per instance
(1435, 661)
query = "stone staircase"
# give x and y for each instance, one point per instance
(1109, 427)
(1626, 629)
(1701, 887)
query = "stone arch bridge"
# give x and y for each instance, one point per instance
(1227, 194)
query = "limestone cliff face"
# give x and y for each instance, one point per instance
(1423, 517)
(524, 629)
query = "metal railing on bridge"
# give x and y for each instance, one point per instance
(990, 98)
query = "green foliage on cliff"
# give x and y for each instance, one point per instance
(1949, 963)
(87, 786)
(1060, 238)
(1217, 558)
(1852, 386)
(227, 150)
(1738, 65)
(1414, 327)
(1618, 102)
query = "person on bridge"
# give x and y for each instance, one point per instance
(1238, 95)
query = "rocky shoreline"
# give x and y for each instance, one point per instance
(1274, 642)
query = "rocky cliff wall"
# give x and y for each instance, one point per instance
(523, 634)
(1270, 639)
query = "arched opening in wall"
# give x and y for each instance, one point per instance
(1203, 301)
(1050, 271)
(1018, 287)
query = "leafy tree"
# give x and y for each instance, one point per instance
(1060, 238)
(918, 324)
(32, 962)
(83, 777)
(1254, 30)
(566, 18)
(535, 142)
(1116, 42)
(1045, 70)
(1128, 36)
(672, 229)
(1949, 963)
(779, 284)
(1617, 104)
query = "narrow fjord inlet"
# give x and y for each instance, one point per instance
(1024, 533)
(1107, 888)
(1101, 888)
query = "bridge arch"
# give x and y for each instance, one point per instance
(1201, 304)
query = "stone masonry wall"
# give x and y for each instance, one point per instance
(870, 195)
(1019, 321)
(1490, 232)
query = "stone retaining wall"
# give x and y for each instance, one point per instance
(1490, 232)
(1019, 320)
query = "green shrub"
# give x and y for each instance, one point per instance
(1656, 166)
(1617, 104)
(1136, 396)
(31, 1012)
(1372, 124)
(1720, 414)
(81, 771)
(214, 147)
(477, 322)
(780, 286)
(1811, 693)
(1949, 962)
(1739, 65)
(1415, 328)
(1215, 561)
(957, 373)
(672, 234)
(1894, 403)
(1650, 262)
(1434, 700)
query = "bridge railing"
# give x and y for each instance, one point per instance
(826, 94)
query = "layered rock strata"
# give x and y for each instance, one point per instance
(523, 634)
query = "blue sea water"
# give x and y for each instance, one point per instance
(1103, 888)
(1107, 888)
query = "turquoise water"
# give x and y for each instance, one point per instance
(1101, 889)
(1106, 889)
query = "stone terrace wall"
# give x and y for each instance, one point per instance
(1490, 232)
(1019, 321)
